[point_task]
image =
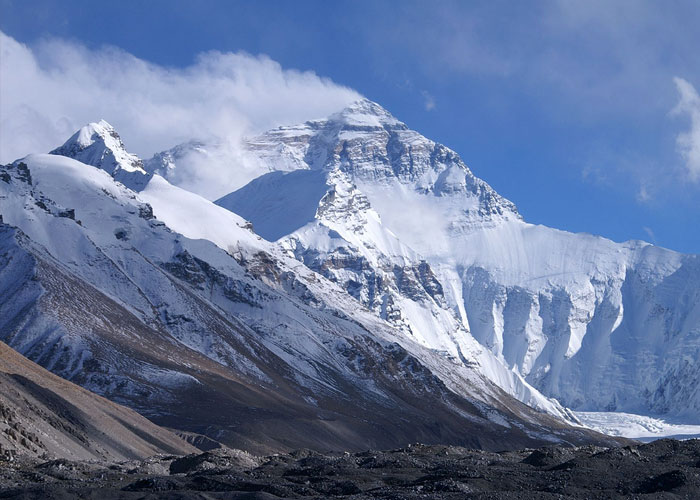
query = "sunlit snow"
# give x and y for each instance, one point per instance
(634, 426)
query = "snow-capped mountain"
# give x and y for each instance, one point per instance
(405, 227)
(99, 145)
(170, 304)
(374, 238)
(329, 225)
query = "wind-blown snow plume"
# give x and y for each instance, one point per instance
(689, 141)
(49, 90)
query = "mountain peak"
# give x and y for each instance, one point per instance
(88, 134)
(364, 113)
(99, 145)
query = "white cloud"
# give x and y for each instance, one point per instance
(689, 141)
(650, 233)
(50, 90)
(643, 195)
(428, 100)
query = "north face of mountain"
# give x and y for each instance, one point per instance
(169, 304)
(596, 324)
(322, 218)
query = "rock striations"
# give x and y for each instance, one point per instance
(42, 415)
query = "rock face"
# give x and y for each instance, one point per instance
(170, 305)
(595, 324)
(42, 415)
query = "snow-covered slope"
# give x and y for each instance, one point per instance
(169, 304)
(640, 427)
(596, 324)
(210, 169)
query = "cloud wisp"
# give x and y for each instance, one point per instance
(688, 142)
(650, 233)
(49, 90)
(428, 100)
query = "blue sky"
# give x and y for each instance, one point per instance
(569, 109)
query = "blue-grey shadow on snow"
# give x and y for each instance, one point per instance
(278, 203)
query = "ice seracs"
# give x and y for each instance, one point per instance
(639, 427)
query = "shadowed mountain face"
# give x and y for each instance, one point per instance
(279, 202)
(176, 309)
(42, 415)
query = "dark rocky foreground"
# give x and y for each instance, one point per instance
(662, 469)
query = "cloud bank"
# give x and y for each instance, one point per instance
(689, 141)
(50, 90)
